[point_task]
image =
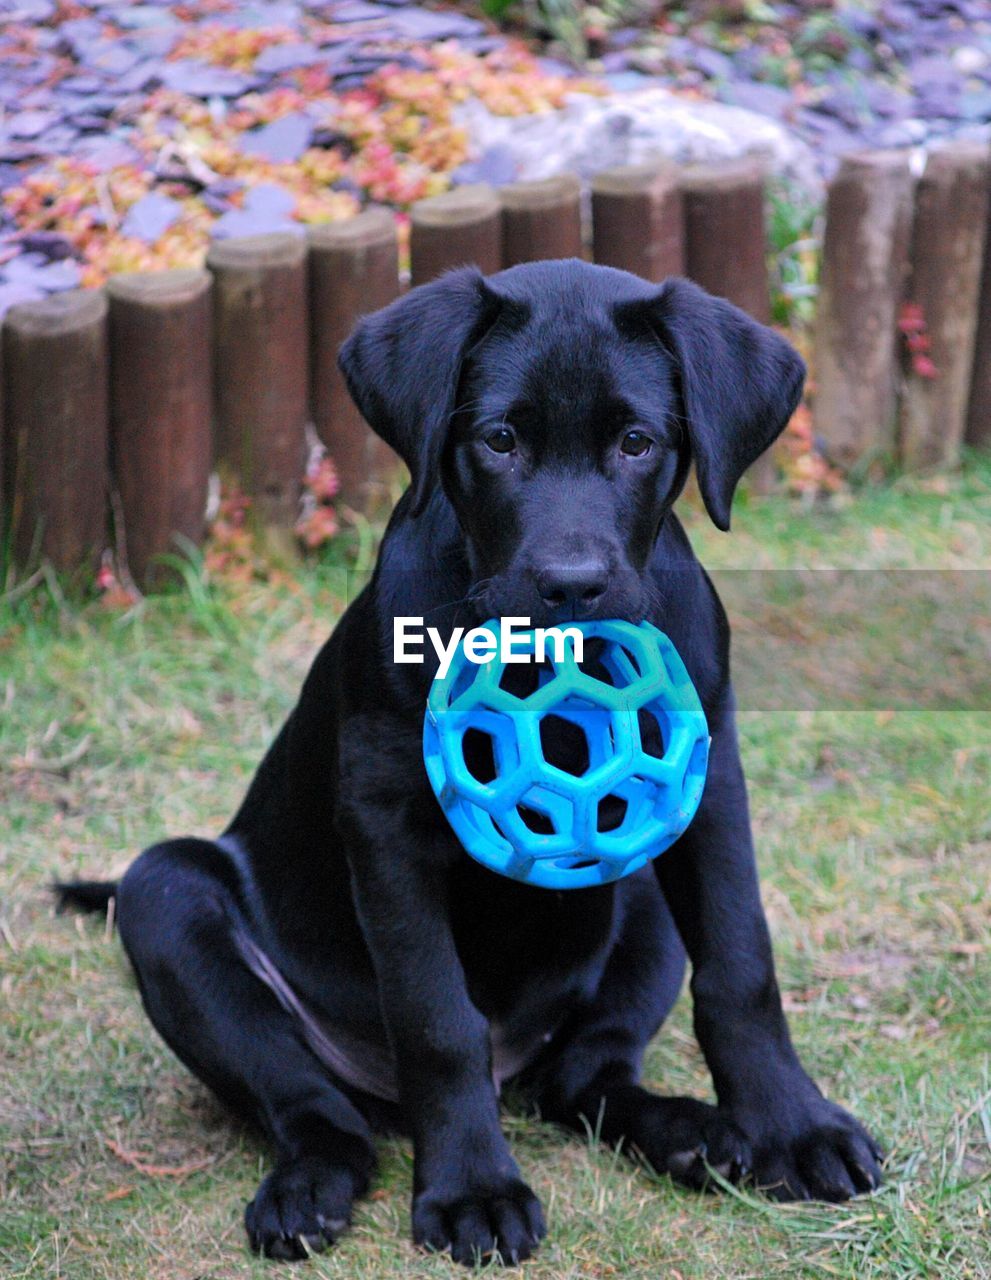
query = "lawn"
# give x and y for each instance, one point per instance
(874, 832)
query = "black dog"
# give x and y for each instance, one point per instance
(335, 963)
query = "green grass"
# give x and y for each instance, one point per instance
(874, 831)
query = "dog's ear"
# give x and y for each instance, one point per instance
(740, 382)
(403, 365)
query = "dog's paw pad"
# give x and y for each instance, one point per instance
(689, 1140)
(503, 1223)
(301, 1208)
(833, 1159)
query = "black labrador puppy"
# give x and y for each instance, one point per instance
(334, 963)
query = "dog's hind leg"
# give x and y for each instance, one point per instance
(183, 929)
(588, 1081)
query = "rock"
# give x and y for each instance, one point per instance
(886, 101)
(112, 57)
(12, 295)
(713, 64)
(496, 166)
(283, 141)
(141, 76)
(424, 24)
(932, 71)
(32, 11)
(49, 244)
(252, 222)
(356, 11)
(767, 99)
(155, 43)
(969, 59)
(30, 124)
(34, 271)
(190, 75)
(144, 16)
(10, 176)
(939, 101)
(844, 105)
(150, 217)
(590, 134)
(274, 14)
(286, 57)
(104, 154)
(976, 106)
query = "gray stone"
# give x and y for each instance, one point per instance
(30, 124)
(496, 166)
(12, 295)
(34, 271)
(286, 57)
(190, 75)
(144, 16)
(150, 217)
(589, 134)
(283, 141)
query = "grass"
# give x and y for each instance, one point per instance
(874, 831)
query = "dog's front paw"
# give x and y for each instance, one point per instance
(502, 1221)
(302, 1207)
(686, 1138)
(823, 1154)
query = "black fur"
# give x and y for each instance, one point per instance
(334, 963)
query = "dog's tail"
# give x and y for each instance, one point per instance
(87, 895)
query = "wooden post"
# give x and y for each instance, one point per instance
(261, 359)
(862, 283)
(979, 409)
(541, 220)
(460, 228)
(55, 375)
(726, 249)
(951, 209)
(638, 220)
(354, 269)
(4, 502)
(725, 233)
(160, 408)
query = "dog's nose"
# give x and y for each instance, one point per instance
(580, 584)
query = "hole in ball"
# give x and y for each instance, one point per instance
(654, 733)
(539, 823)
(611, 812)
(522, 679)
(564, 745)
(479, 754)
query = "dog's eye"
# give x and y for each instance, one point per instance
(635, 444)
(502, 440)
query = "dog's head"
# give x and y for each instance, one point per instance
(559, 405)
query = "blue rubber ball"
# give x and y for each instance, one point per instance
(566, 775)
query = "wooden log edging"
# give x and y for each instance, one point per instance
(275, 305)
(354, 269)
(638, 220)
(978, 432)
(861, 286)
(726, 234)
(541, 220)
(726, 249)
(951, 210)
(261, 368)
(463, 227)
(161, 376)
(55, 394)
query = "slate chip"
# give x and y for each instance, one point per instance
(150, 217)
(283, 141)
